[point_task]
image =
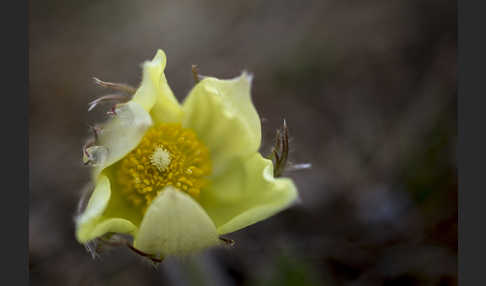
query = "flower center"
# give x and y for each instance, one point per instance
(168, 155)
(160, 158)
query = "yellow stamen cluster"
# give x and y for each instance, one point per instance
(168, 155)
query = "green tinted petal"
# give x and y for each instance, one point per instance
(97, 202)
(113, 225)
(246, 193)
(154, 93)
(92, 222)
(175, 224)
(223, 116)
(122, 134)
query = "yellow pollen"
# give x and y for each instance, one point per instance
(168, 155)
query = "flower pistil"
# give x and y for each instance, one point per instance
(168, 155)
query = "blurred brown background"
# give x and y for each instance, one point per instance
(368, 89)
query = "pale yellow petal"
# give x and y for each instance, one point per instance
(222, 114)
(92, 223)
(246, 193)
(113, 225)
(97, 202)
(122, 133)
(154, 93)
(175, 224)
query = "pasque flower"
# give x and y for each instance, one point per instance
(177, 176)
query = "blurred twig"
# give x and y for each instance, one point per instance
(195, 73)
(280, 151)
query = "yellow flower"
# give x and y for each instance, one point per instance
(177, 176)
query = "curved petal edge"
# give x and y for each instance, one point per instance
(247, 193)
(122, 134)
(154, 93)
(91, 223)
(175, 224)
(222, 113)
